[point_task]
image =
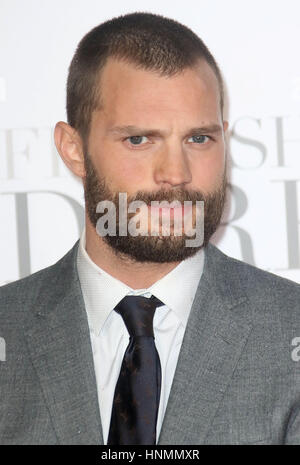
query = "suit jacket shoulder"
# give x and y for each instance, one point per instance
(20, 296)
(272, 298)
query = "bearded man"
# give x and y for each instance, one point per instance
(144, 332)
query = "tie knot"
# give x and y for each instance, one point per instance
(137, 313)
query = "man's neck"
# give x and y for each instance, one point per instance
(137, 275)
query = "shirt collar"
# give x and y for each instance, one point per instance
(102, 292)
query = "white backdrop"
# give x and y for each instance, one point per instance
(256, 44)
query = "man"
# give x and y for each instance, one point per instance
(142, 338)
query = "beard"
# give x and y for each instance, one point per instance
(145, 248)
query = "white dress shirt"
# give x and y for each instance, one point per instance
(109, 335)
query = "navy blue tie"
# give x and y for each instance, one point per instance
(137, 392)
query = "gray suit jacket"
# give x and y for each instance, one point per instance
(235, 381)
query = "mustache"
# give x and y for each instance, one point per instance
(180, 195)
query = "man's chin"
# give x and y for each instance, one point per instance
(151, 249)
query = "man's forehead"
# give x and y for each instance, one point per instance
(124, 87)
(157, 108)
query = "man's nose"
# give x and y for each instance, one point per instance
(172, 167)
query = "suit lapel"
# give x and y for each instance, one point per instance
(58, 341)
(214, 339)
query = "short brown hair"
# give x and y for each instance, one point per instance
(151, 41)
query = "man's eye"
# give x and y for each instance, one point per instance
(136, 140)
(200, 139)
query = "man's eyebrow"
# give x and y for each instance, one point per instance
(131, 130)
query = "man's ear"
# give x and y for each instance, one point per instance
(225, 125)
(69, 146)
